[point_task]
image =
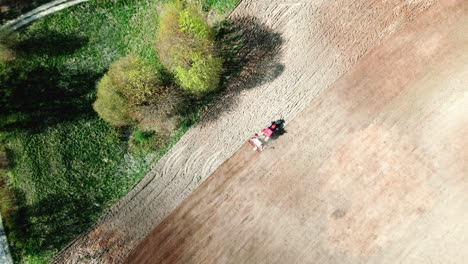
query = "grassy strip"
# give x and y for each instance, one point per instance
(66, 165)
(221, 6)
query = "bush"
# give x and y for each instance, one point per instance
(185, 44)
(138, 81)
(129, 83)
(111, 105)
(164, 114)
(132, 92)
(202, 76)
(221, 6)
(142, 137)
(192, 22)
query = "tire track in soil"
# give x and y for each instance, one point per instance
(312, 63)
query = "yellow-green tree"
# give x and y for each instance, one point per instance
(185, 44)
(110, 103)
(132, 93)
(129, 83)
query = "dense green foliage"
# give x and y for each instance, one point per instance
(129, 83)
(66, 166)
(111, 105)
(142, 136)
(132, 92)
(202, 76)
(191, 22)
(136, 79)
(185, 44)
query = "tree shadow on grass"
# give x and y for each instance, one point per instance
(33, 99)
(252, 53)
(50, 223)
(57, 221)
(35, 94)
(52, 43)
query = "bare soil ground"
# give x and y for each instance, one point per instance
(375, 170)
(314, 191)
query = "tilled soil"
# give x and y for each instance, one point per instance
(373, 171)
(298, 195)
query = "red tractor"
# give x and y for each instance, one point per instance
(258, 141)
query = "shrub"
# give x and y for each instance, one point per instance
(138, 81)
(221, 6)
(142, 137)
(164, 114)
(170, 41)
(185, 44)
(132, 92)
(111, 105)
(129, 83)
(202, 76)
(192, 22)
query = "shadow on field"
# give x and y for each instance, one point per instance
(252, 53)
(36, 95)
(47, 218)
(58, 225)
(34, 98)
(52, 44)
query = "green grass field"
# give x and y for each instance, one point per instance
(66, 165)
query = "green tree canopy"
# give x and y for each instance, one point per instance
(129, 83)
(111, 105)
(185, 44)
(132, 92)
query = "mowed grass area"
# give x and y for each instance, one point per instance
(66, 166)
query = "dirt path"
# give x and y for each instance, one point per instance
(321, 41)
(375, 170)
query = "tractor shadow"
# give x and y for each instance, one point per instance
(251, 52)
(270, 143)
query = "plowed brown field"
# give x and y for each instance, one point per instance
(375, 170)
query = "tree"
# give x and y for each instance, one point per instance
(111, 105)
(185, 44)
(135, 79)
(132, 92)
(163, 115)
(202, 75)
